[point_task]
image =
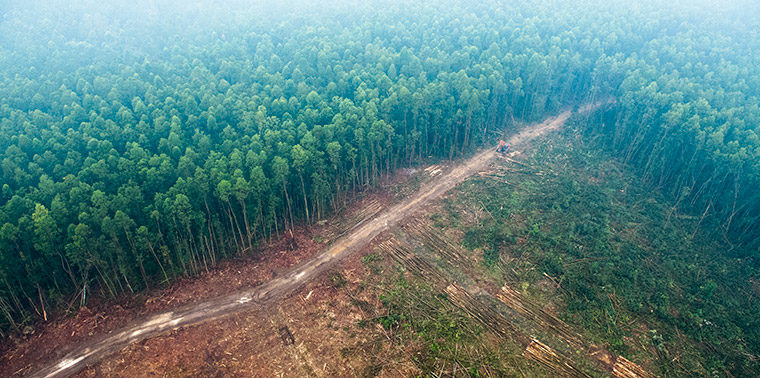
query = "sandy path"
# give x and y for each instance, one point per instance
(274, 289)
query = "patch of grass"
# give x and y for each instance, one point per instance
(362, 305)
(372, 257)
(372, 262)
(337, 280)
(444, 336)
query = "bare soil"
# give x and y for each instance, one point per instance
(330, 323)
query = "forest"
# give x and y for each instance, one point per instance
(140, 145)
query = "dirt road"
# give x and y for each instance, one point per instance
(269, 292)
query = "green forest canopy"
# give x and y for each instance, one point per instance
(139, 144)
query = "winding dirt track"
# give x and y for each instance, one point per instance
(269, 292)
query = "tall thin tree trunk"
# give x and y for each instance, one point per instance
(245, 221)
(305, 203)
(287, 200)
(42, 303)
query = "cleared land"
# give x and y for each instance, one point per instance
(264, 295)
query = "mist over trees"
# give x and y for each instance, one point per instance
(143, 143)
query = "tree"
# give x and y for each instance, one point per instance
(241, 191)
(300, 159)
(281, 171)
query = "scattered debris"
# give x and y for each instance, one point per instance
(433, 170)
(545, 355)
(337, 280)
(496, 322)
(484, 314)
(627, 369)
(292, 244)
(524, 306)
(287, 337)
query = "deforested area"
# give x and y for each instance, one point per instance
(550, 188)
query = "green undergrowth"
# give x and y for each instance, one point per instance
(442, 338)
(625, 267)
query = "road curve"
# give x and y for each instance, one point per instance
(270, 291)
